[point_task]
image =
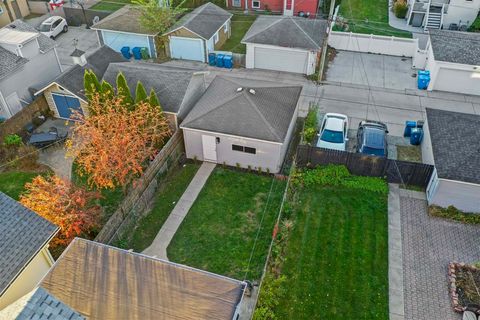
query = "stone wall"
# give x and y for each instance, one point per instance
(140, 198)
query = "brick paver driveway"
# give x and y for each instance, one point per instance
(429, 244)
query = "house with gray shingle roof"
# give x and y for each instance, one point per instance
(451, 144)
(28, 59)
(285, 43)
(24, 256)
(242, 121)
(453, 59)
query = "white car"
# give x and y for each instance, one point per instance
(333, 132)
(53, 26)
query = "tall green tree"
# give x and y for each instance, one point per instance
(107, 89)
(153, 99)
(123, 91)
(91, 84)
(140, 93)
(157, 15)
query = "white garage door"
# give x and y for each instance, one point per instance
(461, 81)
(281, 60)
(187, 49)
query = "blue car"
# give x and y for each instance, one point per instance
(372, 138)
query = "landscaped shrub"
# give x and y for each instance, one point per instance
(310, 126)
(12, 140)
(400, 9)
(272, 292)
(453, 213)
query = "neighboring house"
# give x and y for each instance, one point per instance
(122, 28)
(451, 144)
(437, 14)
(177, 89)
(10, 10)
(24, 256)
(27, 59)
(66, 93)
(283, 43)
(240, 121)
(199, 32)
(97, 281)
(453, 59)
(285, 7)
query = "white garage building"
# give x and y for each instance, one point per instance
(454, 61)
(451, 144)
(242, 122)
(285, 43)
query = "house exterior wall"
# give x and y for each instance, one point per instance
(40, 69)
(5, 19)
(28, 278)
(268, 154)
(54, 88)
(461, 12)
(276, 6)
(427, 151)
(223, 35)
(463, 196)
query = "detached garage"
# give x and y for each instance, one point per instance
(241, 121)
(199, 32)
(282, 43)
(454, 61)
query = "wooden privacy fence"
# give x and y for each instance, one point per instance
(77, 16)
(395, 171)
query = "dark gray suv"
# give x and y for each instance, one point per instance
(372, 138)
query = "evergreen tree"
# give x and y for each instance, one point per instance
(107, 89)
(90, 83)
(153, 99)
(140, 93)
(123, 91)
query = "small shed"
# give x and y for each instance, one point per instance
(454, 61)
(123, 29)
(451, 144)
(241, 121)
(285, 43)
(199, 32)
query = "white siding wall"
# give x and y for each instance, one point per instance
(463, 196)
(427, 151)
(461, 10)
(268, 154)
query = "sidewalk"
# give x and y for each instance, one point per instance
(158, 248)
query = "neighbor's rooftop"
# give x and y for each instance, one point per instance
(456, 46)
(455, 140)
(126, 19)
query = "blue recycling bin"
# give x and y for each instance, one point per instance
(137, 53)
(126, 52)
(423, 79)
(220, 60)
(211, 59)
(228, 61)
(409, 125)
(416, 136)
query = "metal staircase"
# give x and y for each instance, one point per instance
(434, 17)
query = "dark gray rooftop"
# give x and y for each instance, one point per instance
(45, 42)
(265, 114)
(39, 304)
(22, 234)
(9, 62)
(204, 20)
(456, 46)
(455, 142)
(290, 32)
(98, 61)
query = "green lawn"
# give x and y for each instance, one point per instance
(219, 231)
(240, 25)
(108, 5)
(335, 259)
(12, 183)
(475, 27)
(369, 16)
(168, 195)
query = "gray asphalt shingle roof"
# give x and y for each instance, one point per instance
(22, 234)
(9, 62)
(45, 42)
(126, 19)
(170, 84)
(266, 114)
(39, 304)
(456, 46)
(204, 20)
(290, 32)
(455, 140)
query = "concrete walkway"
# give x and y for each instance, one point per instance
(158, 248)
(395, 259)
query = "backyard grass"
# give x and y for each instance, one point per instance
(12, 183)
(370, 17)
(171, 190)
(333, 263)
(240, 25)
(107, 6)
(219, 231)
(475, 26)
(409, 153)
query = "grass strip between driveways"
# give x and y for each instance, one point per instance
(240, 25)
(219, 231)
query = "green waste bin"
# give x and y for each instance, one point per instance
(144, 53)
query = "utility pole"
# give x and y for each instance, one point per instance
(325, 40)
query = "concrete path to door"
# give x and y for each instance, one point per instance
(158, 248)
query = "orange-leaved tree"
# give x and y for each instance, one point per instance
(112, 144)
(70, 207)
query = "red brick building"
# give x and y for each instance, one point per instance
(287, 7)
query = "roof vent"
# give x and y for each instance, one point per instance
(239, 89)
(252, 91)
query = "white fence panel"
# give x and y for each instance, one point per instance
(420, 59)
(358, 42)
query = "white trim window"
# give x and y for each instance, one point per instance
(236, 3)
(255, 4)
(215, 38)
